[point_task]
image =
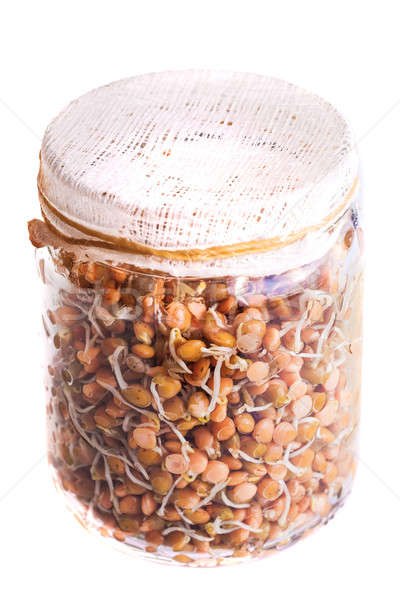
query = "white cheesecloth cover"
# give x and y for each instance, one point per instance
(196, 160)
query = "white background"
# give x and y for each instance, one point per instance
(51, 52)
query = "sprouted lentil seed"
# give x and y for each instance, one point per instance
(186, 416)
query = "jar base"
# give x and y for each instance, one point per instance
(140, 548)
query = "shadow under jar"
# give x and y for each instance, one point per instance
(203, 410)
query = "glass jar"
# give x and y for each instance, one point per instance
(201, 419)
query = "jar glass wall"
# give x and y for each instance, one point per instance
(204, 420)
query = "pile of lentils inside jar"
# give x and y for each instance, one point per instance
(208, 417)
